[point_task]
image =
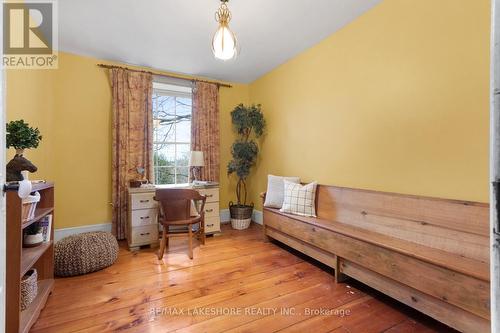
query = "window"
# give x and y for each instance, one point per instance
(171, 133)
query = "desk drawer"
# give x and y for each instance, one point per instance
(144, 235)
(141, 217)
(211, 209)
(212, 224)
(212, 194)
(143, 201)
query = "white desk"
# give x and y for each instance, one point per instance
(143, 213)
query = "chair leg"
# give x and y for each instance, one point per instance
(190, 242)
(164, 241)
(202, 230)
(165, 230)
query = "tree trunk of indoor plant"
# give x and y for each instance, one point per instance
(241, 213)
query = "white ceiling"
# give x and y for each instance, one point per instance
(175, 35)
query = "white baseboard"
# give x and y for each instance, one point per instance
(61, 233)
(257, 217)
(225, 217)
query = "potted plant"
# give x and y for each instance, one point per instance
(249, 123)
(20, 136)
(33, 235)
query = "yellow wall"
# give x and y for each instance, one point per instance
(395, 101)
(72, 108)
(30, 96)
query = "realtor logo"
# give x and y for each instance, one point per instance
(29, 35)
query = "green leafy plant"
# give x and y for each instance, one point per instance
(21, 136)
(33, 229)
(249, 123)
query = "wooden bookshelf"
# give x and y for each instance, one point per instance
(20, 260)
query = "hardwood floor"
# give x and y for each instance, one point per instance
(235, 283)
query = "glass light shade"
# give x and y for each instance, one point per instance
(224, 43)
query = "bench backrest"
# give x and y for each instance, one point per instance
(454, 226)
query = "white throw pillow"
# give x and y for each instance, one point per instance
(299, 200)
(276, 190)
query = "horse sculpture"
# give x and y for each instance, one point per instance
(16, 165)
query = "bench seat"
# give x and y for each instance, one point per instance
(431, 254)
(461, 264)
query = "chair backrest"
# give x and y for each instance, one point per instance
(175, 204)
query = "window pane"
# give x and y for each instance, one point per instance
(164, 175)
(184, 131)
(163, 106)
(183, 155)
(163, 130)
(182, 175)
(164, 155)
(183, 106)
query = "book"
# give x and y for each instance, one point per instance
(46, 225)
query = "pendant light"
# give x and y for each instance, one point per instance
(224, 43)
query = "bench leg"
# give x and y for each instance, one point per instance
(339, 277)
(265, 237)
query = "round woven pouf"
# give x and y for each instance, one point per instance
(85, 253)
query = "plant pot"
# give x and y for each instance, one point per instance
(33, 240)
(241, 216)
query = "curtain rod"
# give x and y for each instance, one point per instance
(220, 84)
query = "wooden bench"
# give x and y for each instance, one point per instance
(431, 254)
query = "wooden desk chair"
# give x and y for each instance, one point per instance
(175, 210)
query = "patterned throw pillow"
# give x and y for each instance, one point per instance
(299, 199)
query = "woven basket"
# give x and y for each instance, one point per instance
(240, 224)
(28, 211)
(29, 206)
(29, 288)
(241, 216)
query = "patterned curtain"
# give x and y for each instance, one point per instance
(205, 128)
(132, 138)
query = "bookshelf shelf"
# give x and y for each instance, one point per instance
(40, 213)
(31, 255)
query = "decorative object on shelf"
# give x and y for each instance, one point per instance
(85, 253)
(33, 235)
(29, 206)
(248, 121)
(46, 225)
(196, 162)
(25, 186)
(224, 42)
(21, 136)
(29, 288)
(137, 183)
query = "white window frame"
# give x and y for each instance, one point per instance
(176, 91)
